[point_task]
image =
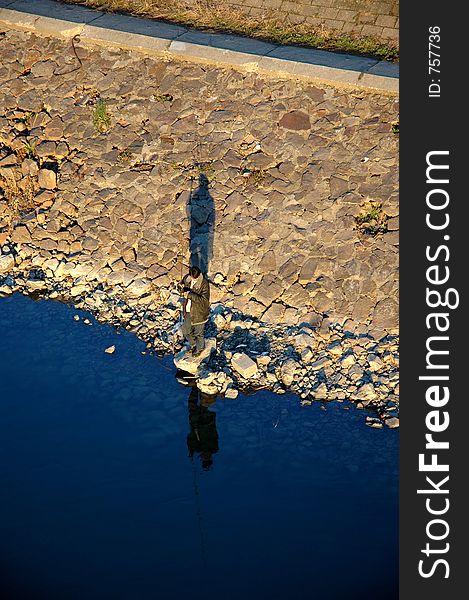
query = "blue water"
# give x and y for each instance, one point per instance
(100, 499)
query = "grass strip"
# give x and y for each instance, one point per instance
(217, 17)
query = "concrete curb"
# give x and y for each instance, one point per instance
(49, 17)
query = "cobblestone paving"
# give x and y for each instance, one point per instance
(111, 167)
(374, 17)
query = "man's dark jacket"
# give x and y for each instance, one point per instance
(199, 296)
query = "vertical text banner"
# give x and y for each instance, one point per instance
(434, 226)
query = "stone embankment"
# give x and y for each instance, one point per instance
(116, 167)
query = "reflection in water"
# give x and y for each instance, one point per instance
(203, 436)
(203, 441)
(99, 495)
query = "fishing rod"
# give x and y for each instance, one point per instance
(203, 548)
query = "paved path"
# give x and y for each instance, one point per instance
(53, 18)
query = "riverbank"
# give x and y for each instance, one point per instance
(248, 355)
(113, 164)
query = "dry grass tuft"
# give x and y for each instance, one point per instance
(19, 195)
(216, 16)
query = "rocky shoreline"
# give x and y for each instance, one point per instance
(242, 354)
(114, 171)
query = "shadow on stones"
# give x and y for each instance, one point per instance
(201, 214)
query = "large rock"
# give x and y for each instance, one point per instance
(268, 262)
(8, 161)
(338, 186)
(21, 235)
(47, 179)
(7, 262)
(45, 149)
(308, 272)
(320, 393)
(263, 360)
(386, 314)
(288, 371)
(231, 392)
(274, 314)
(139, 287)
(374, 362)
(29, 167)
(313, 319)
(295, 120)
(366, 393)
(320, 363)
(54, 129)
(78, 290)
(244, 365)
(184, 361)
(296, 295)
(268, 290)
(209, 383)
(304, 340)
(213, 383)
(348, 361)
(393, 422)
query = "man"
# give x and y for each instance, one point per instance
(196, 308)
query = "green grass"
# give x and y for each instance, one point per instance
(163, 98)
(373, 219)
(215, 16)
(101, 117)
(30, 149)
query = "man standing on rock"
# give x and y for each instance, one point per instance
(196, 307)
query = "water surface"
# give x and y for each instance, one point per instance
(101, 499)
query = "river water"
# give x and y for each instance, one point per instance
(101, 498)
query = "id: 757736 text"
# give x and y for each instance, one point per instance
(434, 61)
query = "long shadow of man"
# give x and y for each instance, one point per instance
(201, 213)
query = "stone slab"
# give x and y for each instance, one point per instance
(55, 10)
(42, 25)
(7, 262)
(196, 52)
(310, 71)
(385, 69)
(324, 58)
(122, 39)
(184, 361)
(142, 27)
(244, 365)
(380, 83)
(228, 42)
